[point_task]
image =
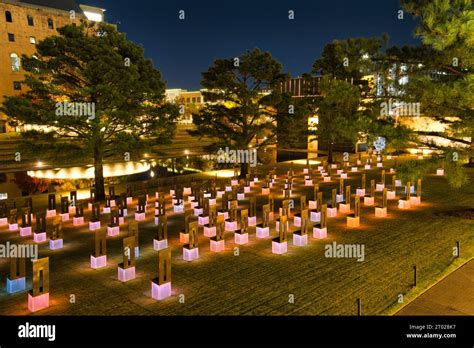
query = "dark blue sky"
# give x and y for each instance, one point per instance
(182, 50)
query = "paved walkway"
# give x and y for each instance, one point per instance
(454, 295)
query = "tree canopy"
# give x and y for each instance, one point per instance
(241, 94)
(91, 96)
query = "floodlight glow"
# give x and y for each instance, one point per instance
(93, 16)
(110, 170)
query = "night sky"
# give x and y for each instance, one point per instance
(183, 49)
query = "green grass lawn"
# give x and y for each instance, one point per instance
(257, 282)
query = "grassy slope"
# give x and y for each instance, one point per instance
(258, 282)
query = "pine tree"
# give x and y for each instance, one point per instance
(241, 95)
(442, 81)
(93, 66)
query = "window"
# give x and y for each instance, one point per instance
(17, 85)
(194, 99)
(188, 100)
(8, 16)
(11, 37)
(30, 21)
(32, 40)
(50, 23)
(15, 62)
(199, 100)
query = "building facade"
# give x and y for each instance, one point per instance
(22, 25)
(189, 102)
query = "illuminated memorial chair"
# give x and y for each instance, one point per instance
(416, 200)
(94, 223)
(332, 210)
(3, 214)
(240, 191)
(369, 200)
(16, 280)
(161, 240)
(161, 286)
(252, 219)
(315, 214)
(78, 218)
(107, 206)
(122, 209)
(353, 220)
(280, 243)
(191, 250)
(247, 184)
(141, 209)
(381, 211)
(380, 186)
(51, 212)
(123, 205)
(126, 270)
(210, 227)
(133, 231)
(320, 230)
(91, 202)
(29, 204)
(300, 237)
(73, 205)
(112, 196)
(13, 220)
(262, 229)
(340, 194)
(392, 194)
(345, 206)
(267, 186)
(312, 204)
(231, 224)
(284, 209)
(203, 218)
(38, 297)
(99, 256)
(308, 179)
(360, 191)
(271, 204)
(178, 201)
(113, 229)
(64, 208)
(297, 216)
(39, 235)
(129, 194)
(160, 207)
(188, 217)
(198, 203)
(25, 228)
(217, 243)
(56, 234)
(405, 203)
(224, 206)
(241, 235)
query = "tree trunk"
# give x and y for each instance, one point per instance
(99, 175)
(471, 153)
(330, 151)
(244, 169)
